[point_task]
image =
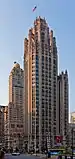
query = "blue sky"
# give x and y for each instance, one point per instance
(16, 17)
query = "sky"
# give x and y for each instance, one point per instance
(16, 17)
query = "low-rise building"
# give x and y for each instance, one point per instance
(72, 117)
(72, 134)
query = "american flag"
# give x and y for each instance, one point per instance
(34, 8)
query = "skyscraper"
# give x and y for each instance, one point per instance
(40, 85)
(15, 107)
(63, 105)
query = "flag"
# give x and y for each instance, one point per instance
(34, 8)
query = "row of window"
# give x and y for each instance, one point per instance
(18, 126)
(45, 59)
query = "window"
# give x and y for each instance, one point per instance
(33, 57)
(12, 125)
(42, 58)
(54, 61)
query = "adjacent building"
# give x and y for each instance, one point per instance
(2, 125)
(72, 129)
(15, 107)
(63, 106)
(72, 117)
(6, 127)
(40, 85)
(72, 134)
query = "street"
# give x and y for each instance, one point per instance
(22, 156)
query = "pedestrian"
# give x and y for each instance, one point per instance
(1, 154)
